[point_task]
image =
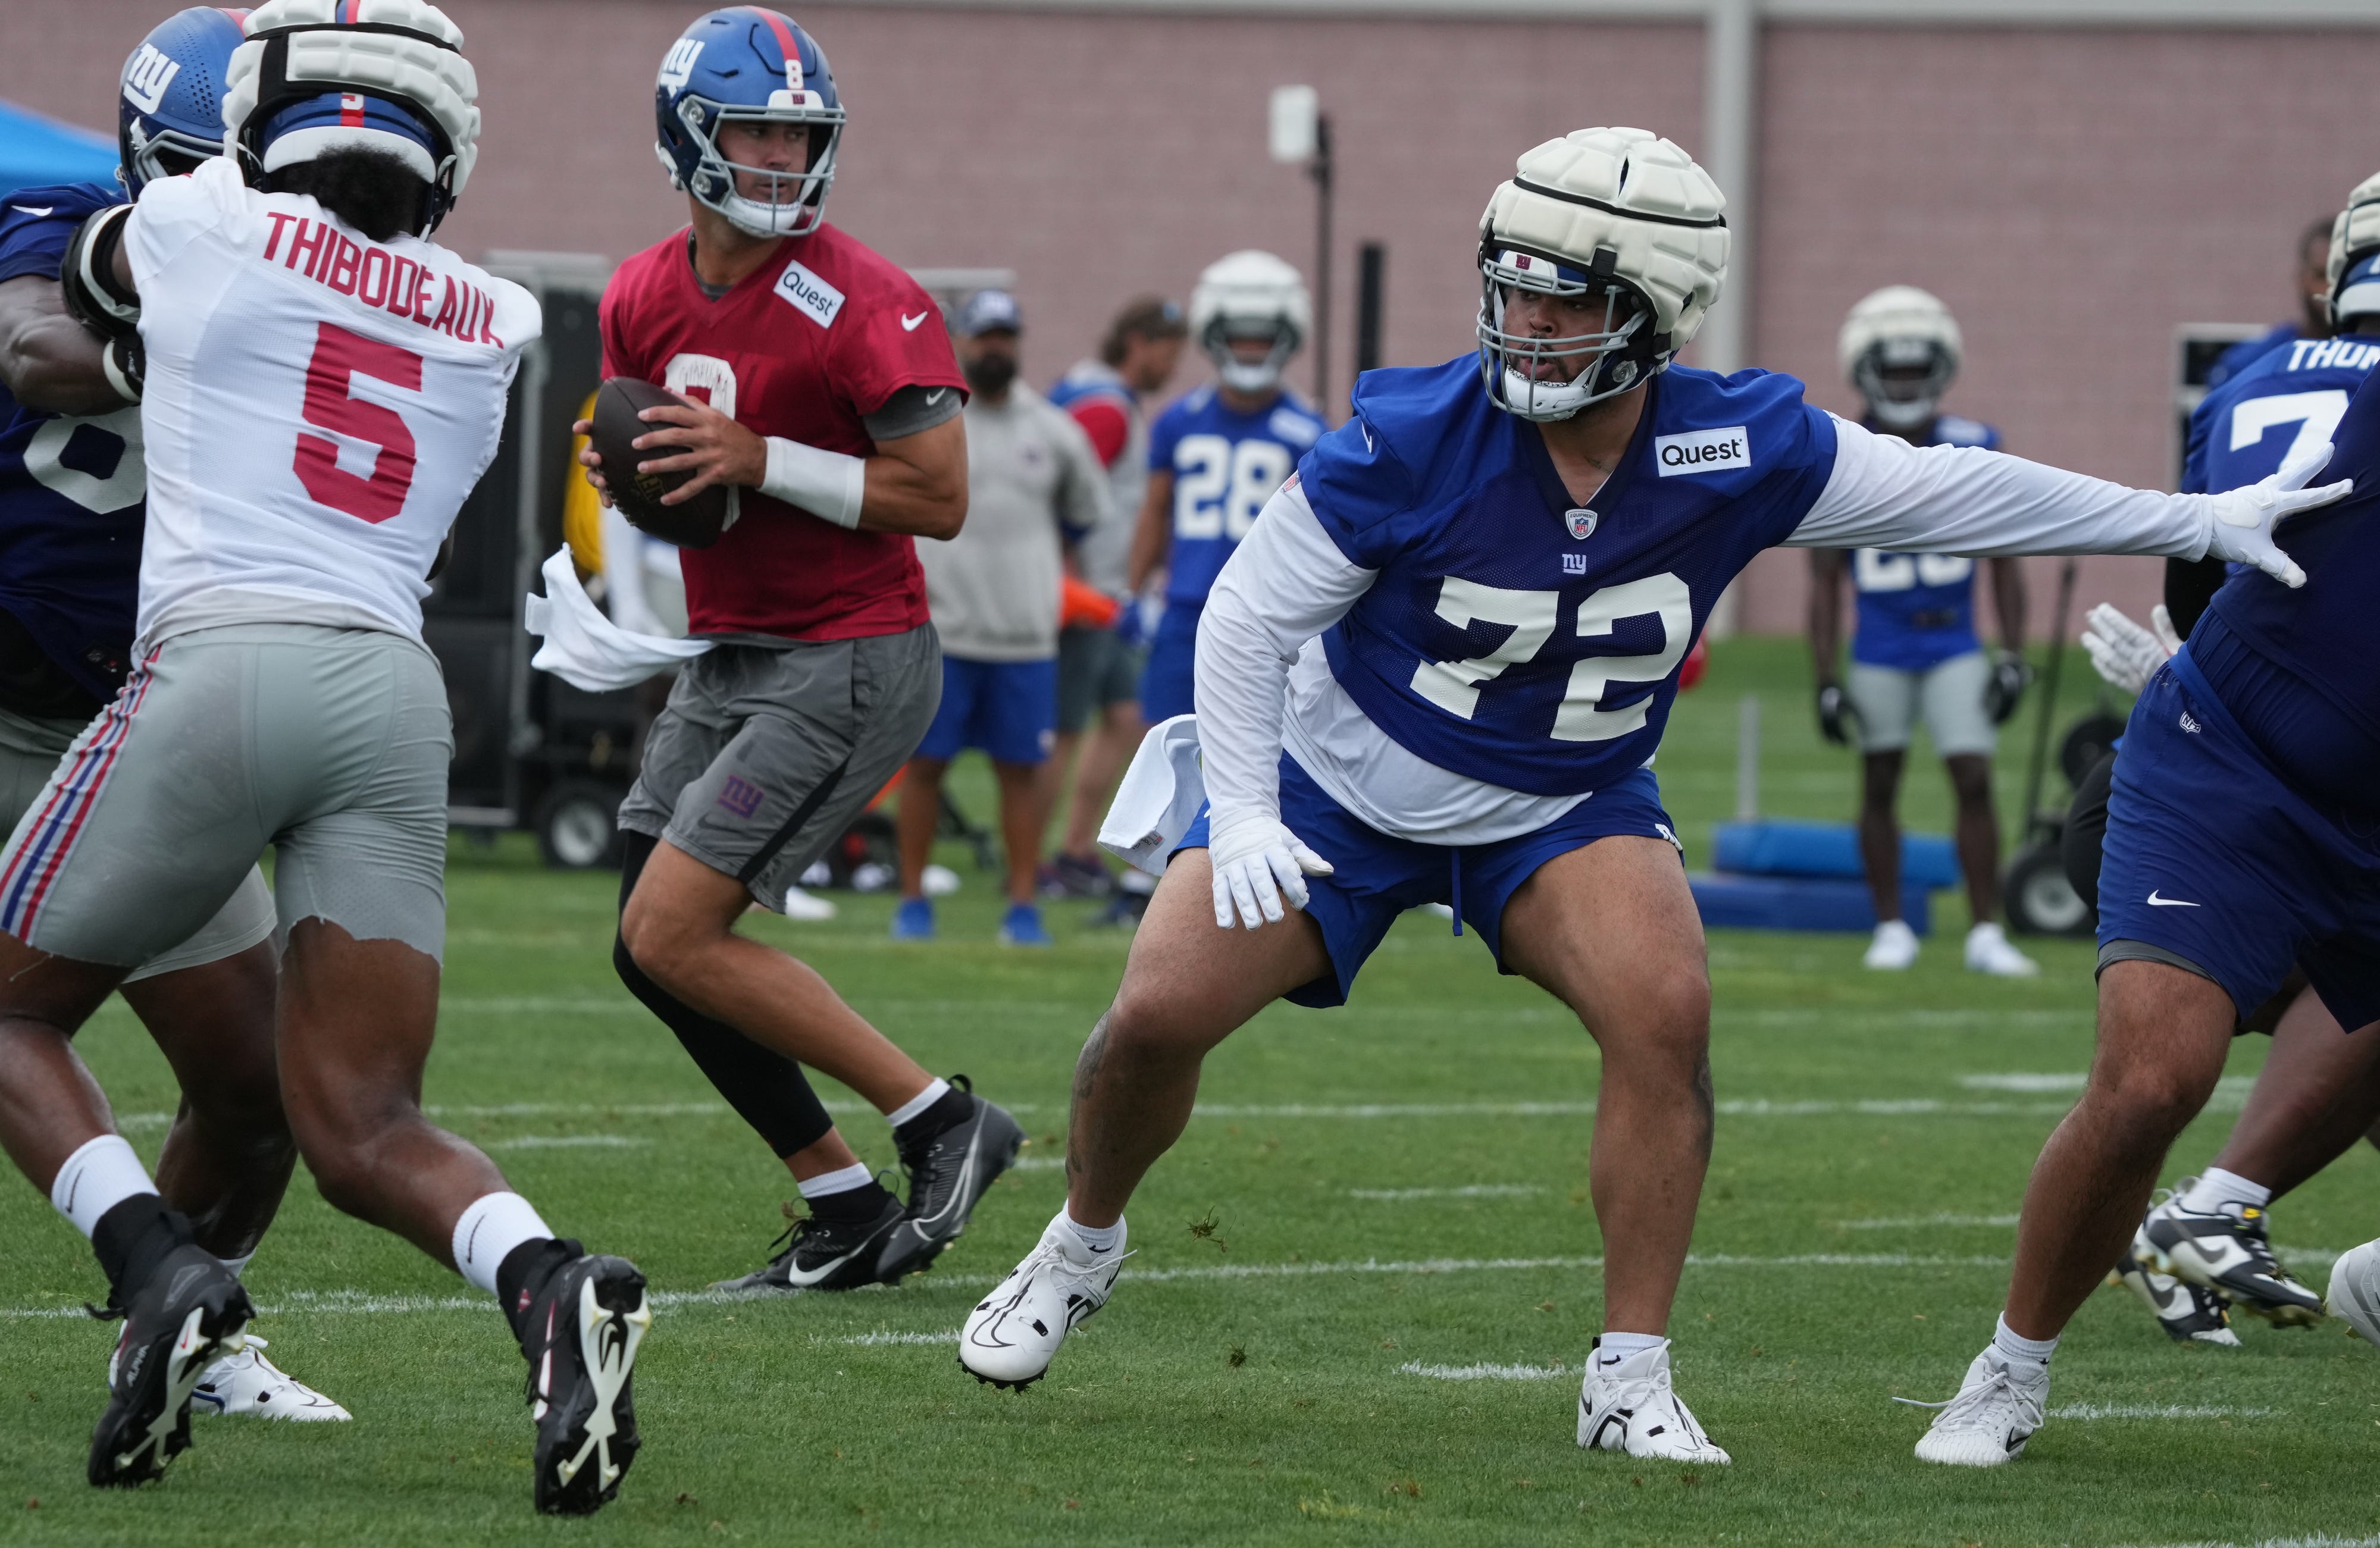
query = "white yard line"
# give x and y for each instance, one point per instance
(1486, 1373)
(1476, 1190)
(358, 1301)
(947, 1337)
(2322, 1540)
(568, 1142)
(2152, 1410)
(1919, 1221)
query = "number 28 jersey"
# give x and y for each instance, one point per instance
(317, 407)
(1512, 635)
(1917, 610)
(1225, 465)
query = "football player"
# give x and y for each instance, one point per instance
(1915, 649)
(2317, 1091)
(2239, 850)
(1218, 455)
(1099, 669)
(283, 294)
(820, 387)
(71, 482)
(1436, 672)
(2310, 278)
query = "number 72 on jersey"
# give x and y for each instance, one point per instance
(1454, 686)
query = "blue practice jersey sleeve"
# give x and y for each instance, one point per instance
(36, 225)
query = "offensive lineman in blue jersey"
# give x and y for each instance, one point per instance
(1436, 671)
(71, 488)
(2240, 842)
(1216, 455)
(1915, 649)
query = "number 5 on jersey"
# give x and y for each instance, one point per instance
(331, 405)
(1454, 686)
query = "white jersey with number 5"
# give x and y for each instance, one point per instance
(318, 405)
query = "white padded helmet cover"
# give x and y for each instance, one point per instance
(439, 81)
(1645, 186)
(2357, 227)
(1250, 285)
(1898, 311)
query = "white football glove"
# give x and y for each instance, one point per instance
(1257, 863)
(2123, 652)
(2241, 531)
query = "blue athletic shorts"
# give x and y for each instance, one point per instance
(2212, 856)
(1165, 683)
(1008, 708)
(1375, 877)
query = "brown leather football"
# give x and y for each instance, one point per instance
(697, 522)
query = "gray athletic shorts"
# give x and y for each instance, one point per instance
(30, 751)
(1095, 668)
(329, 745)
(765, 754)
(1951, 696)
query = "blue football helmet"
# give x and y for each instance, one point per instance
(747, 64)
(169, 109)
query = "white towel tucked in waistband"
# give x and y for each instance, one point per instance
(1159, 797)
(585, 649)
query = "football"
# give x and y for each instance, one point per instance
(697, 522)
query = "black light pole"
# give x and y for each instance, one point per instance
(1371, 264)
(1319, 170)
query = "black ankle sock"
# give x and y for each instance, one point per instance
(133, 1237)
(951, 1108)
(524, 1272)
(853, 1206)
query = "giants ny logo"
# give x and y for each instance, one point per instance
(679, 64)
(146, 77)
(1573, 563)
(740, 796)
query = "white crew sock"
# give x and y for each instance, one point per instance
(1613, 1347)
(841, 1181)
(920, 1103)
(2031, 1356)
(1092, 1239)
(97, 1177)
(490, 1228)
(2217, 1188)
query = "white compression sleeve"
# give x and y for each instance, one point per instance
(828, 485)
(1885, 494)
(1286, 582)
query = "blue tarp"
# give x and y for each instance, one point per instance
(36, 150)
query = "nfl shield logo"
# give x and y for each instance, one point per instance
(1582, 523)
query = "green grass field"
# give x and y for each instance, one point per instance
(1374, 1201)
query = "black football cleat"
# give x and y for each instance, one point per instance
(822, 1255)
(947, 1175)
(581, 1337)
(188, 1314)
(2227, 1250)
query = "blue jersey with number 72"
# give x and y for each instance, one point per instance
(1225, 465)
(1514, 635)
(72, 490)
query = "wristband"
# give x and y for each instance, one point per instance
(827, 485)
(126, 364)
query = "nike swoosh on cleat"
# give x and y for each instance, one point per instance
(794, 1276)
(2155, 901)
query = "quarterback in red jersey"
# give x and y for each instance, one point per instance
(822, 390)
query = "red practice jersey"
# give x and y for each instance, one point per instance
(823, 333)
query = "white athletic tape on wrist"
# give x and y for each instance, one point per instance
(827, 485)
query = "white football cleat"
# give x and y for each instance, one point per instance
(1988, 950)
(247, 1383)
(1010, 1337)
(2355, 1289)
(1629, 1407)
(1894, 947)
(1995, 1412)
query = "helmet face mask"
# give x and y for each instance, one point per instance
(748, 66)
(1903, 379)
(1250, 297)
(1544, 378)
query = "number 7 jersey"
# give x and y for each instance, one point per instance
(317, 407)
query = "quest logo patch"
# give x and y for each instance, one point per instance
(1720, 451)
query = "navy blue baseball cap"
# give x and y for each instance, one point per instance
(988, 312)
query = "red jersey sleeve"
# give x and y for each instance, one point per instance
(1104, 421)
(612, 326)
(900, 340)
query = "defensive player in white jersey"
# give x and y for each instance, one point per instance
(324, 387)
(1436, 672)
